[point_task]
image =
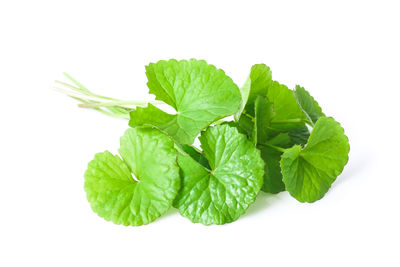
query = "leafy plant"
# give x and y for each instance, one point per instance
(268, 146)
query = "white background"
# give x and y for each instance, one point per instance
(346, 53)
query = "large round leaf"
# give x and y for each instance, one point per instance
(308, 173)
(141, 186)
(199, 92)
(222, 193)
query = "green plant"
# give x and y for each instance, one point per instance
(268, 146)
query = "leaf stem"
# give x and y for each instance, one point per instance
(120, 103)
(73, 94)
(280, 149)
(76, 82)
(289, 120)
(84, 91)
(114, 112)
(107, 105)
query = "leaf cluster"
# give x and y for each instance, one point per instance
(279, 140)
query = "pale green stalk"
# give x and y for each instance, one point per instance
(109, 106)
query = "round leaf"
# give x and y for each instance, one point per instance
(222, 193)
(308, 173)
(117, 196)
(199, 92)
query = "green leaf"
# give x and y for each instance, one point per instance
(261, 79)
(223, 193)
(268, 132)
(288, 113)
(263, 116)
(244, 92)
(272, 175)
(308, 105)
(116, 195)
(200, 93)
(272, 171)
(281, 140)
(264, 131)
(299, 136)
(257, 83)
(151, 115)
(246, 123)
(308, 173)
(196, 155)
(236, 125)
(266, 138)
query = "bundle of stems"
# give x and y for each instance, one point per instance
(107, 105)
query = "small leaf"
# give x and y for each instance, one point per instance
(223, 193)
(263, 116)
(308, 105)
(299, 136)
(261, 79)
(272, 172)
(115, 195)
(285, 108)
(246, 124)
(272, 175)
(244, 92)
(308, 173)
(199, 92)
(256, 84)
